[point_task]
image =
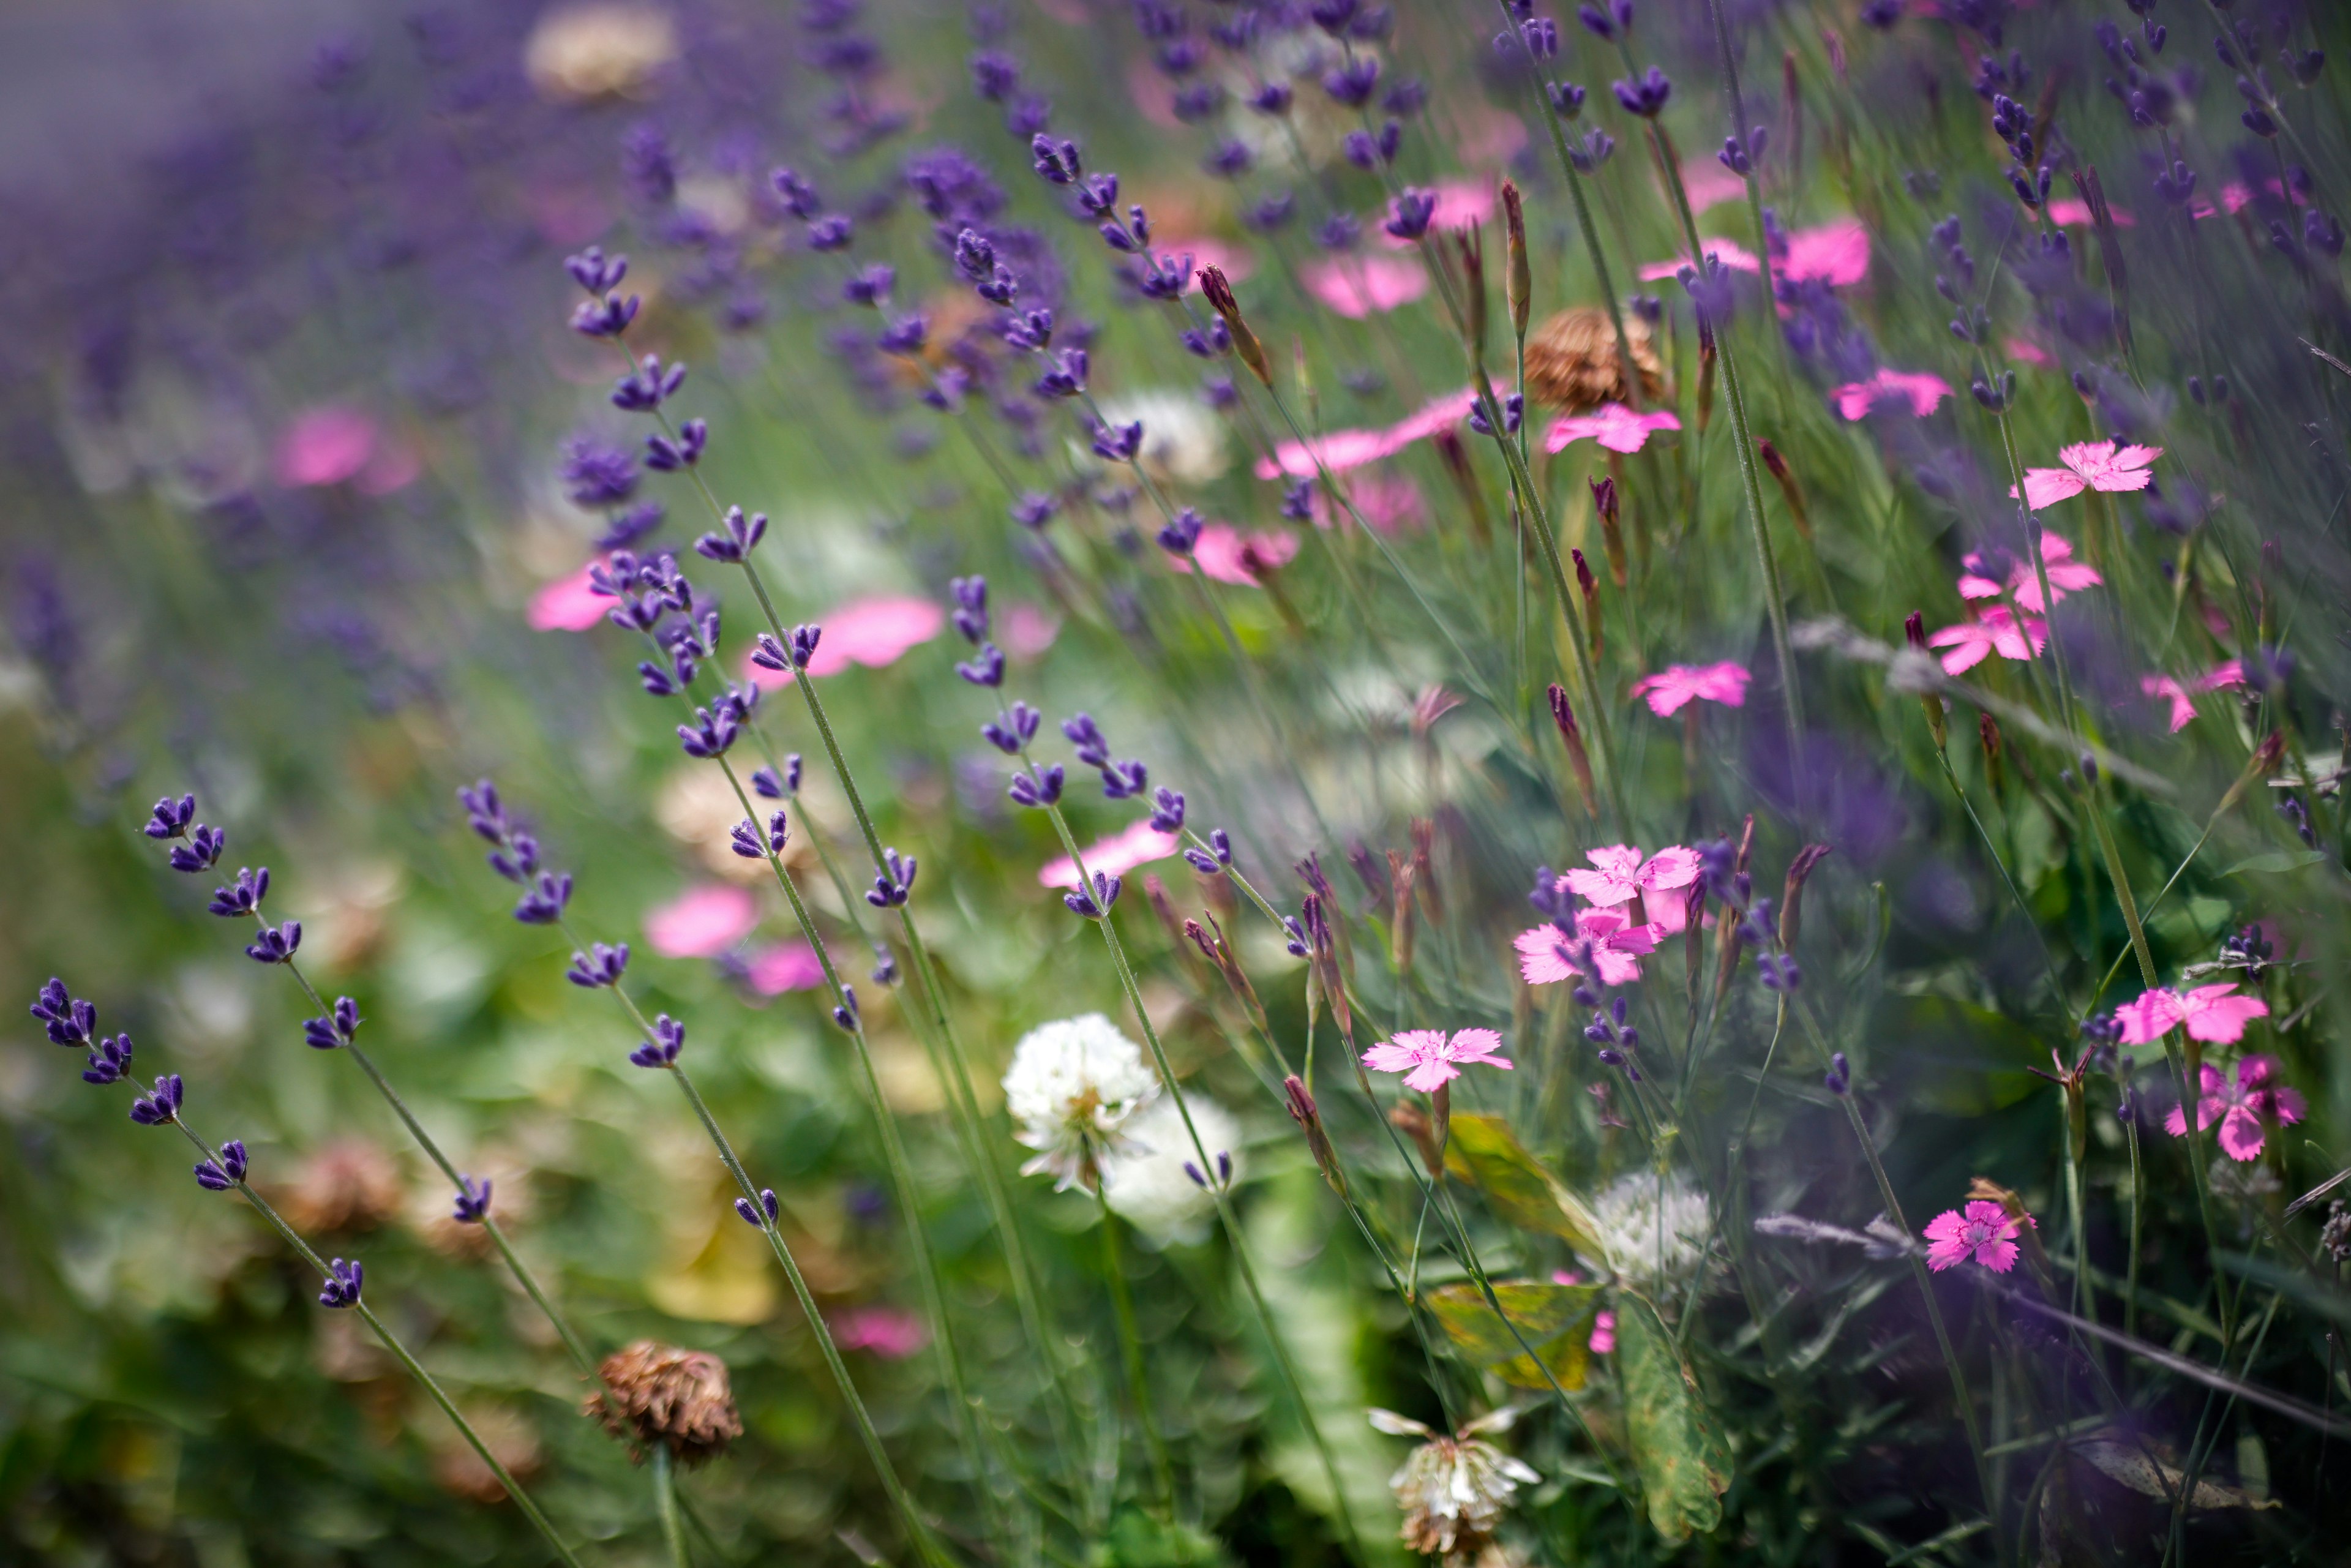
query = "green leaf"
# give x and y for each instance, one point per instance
(1484, 1152)
(2277, 861)
(2131, 1464)
(1550, 1317)
(1677, 1447)
(1955, 1057)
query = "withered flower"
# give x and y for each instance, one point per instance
(1453, 1489)
(1574, 365)
(659, 1394)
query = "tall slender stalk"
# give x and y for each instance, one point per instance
(1130, 1347)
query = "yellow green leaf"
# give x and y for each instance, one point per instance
(1484, 1152)
(1551, 1318)
(1677, 1447)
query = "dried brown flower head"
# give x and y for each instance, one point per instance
(1453, 1489)
(1574, 366)
(660, 1393)
(347, 1186)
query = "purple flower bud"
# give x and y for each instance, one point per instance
(69, 1021)
(800, 197)
(892, 881)
(543, 903)
(759, 1215)
(1181, 532)
(1056, 161)
(594, 273)
(171, 817)
(473, 1205)
(219, 1175)
(338, 1028)
(159, 1106)
(1117, 443)
(1096, 903)
(275, 945)
(905, 336)
(1566, 99)
(741, 537)
(1273, 99)
(994, 77)
(1540, 35)
(342, 1287)
(1066, 378)
(1040, 789)
(710, 734)
(109, 1061)
(1229, 160)
(661, 1050)
(1167, 810)
(1408, 213)
(242, 896)
(607, 317)
(664, 455)
(986, 669)
(644, 390)
(847, 1014)
(1352, 84)
(1331, 16)
(1644, 97)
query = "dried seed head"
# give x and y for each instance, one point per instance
(660, 1393)
(1574, 365)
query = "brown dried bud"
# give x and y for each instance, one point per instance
(1309, 1117)
(1156, 891)
(1726, 929)
(1914, 632)
(1456, 458)
(1400, 926)
(1220, 952)
(1423, 869)
(1612, 537)
(1219, 291)
(659, 1394)
(1791, 892)
(1988, 733)
(1789, 488)
(1576, 365)
(1577, 758)
(347, 1186)
(1409, 1119)
(1706, 356)
(1589, 586)
(1518, 279)
(1469, 248)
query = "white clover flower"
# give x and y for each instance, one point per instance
(1645, 1248)
(1146, 1181)
(1073, 1085)
(1453, 1489)
(1183, 438)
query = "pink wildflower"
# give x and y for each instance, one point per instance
(1388, 502)
(1026, 629)
(2089, 465)
(2066, 212)
(870, 631)
(1460, 203)
(1234, 263)
(1343, 449)
(1227, 555)
(2025, 351)
(325, 446)
(702, 922)
(1360, 286)
(1615, 427)
(1620, 874)
(1114, 856)
(567, 604)
(1985, 1232)
(2242, 1108)
(2211, 1013)
(2066, 575)
(1604, 1333)
(1836, 252)
(1707, 183)
(1892, 389)
(1993, 630)
(2183, 709)
(1546, 954)
(1683, 684)
(787, 966)
(1729, 253)
(1429, 1061)
(890, 1332)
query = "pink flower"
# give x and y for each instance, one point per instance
(890, 1332)
(787, 966)
(1682, 683)
(1388, 502)
(1429, 1061)
(1026, 630)
(2229, 674)
(1604, 1333)
(567, 604)
(1729, 253)
(1620, 874)
(1615, 427)
(1835, 252)
(1707, 183)
(1985, 1233)
(2089, 465)
(2241, 1107)
(2066, 212)
(1891, 389)
(325, 446)
(2211, 1013)
(1546, 954)
(870, 631)
(1236, 263)
(2025, 351)
(1993, 630)
(1460, 203)
(702, 922)
(1227, 555)
(2066, 575)
(1360, 286)
(1115, 855)
(1343, 449)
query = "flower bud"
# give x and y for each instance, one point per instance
(1612, 538)
(1518, 277)
(1577, 758)
(1793, 492)
(1914, 632)
(1589, 587)
(1791, 892)
(1988, 734)
(1218, 292)
(1309, 1117)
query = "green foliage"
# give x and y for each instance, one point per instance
(1677, 1446)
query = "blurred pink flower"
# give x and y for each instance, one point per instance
(1707, 183)
(325, 445)
(2066, 575)
(1985, 1233)
(2183, 708)
(1836, 252)
(1617, 947)
(1343, 449)
(2241, 1107)
(1388, 502)
(1152, 94)
(2211, 1012)
(2089, 465)
(1026, 630)
(1615, 427)
(872, 632)
(1993, 631)
(567, 604)
(1604, 1333)
(702, 922)
(1682, 683)
(2025, 351)
(785, 966)
(1731, 253)
(2067, 212)
(1115, 855)
(2236, 196)
(1360, 286)
(1891, 389)
(1227, 555)
(1236, 263)
(1485, 137)
(1460, 203)
(892, 1332)
(1620, 872)
(1429, 1061)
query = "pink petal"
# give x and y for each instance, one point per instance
(1707, 183)
(1474, 1045)
(1542, 956)
(1725, 683)
(2182, 710)
(567, 604)
(1920, 390)
(2254, 1071)
(1676, 865)
(1836, 252)
(2068, 213)
(1388, 502)
(702, 922)
(785, 966)
(1340, 451)
(1138, 844)
(888, 1331)
(2175, 1123)
(1390, 1057)
(2216, 1016)
(1603, 1333)
(1460, 203)
(872, 632)
(1999, 1257)
(1431, 1075)
(2287, 1105)
(1600, 886)
(2240, 1134)
(1360, 286)
(2025, 351)
(1236, 263)
(2146, 1020)
(2229, 672)
(1942, 1255)
(324, 446)
(1727, 252)
(1667, 694)
(1026, 630)
(1946, 1226)
(1616, 967)
(2047, 486)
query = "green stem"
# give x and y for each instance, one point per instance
(1130, 1345)
(666, 1504)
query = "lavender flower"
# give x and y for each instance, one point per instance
(646, 388)
(70, 1020)
(1181, 532)
(473, 1205)
(275, 945)
(342, 1287)
(669, 1039)
(752, 1214)
(543, 903)
(767, 783)
(1352, 83)
(749, 843)
(159, 1104)
(201, 852)
(1167, 810)
(1408, 214)
(601, 965)
(109, 1061)
(335, 1030)
(869, 284)
(735, 546)
(1019, 728)
(664, 455)
(1038, 790)
(171, 818)
(228, 1171)
(1646, 95)
(244, 895)
(1096, 903)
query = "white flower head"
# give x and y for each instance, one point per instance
(1654, 1233)
(1183, 438)
(1073, 1085)
(1146, 1181)
(1453, 1489)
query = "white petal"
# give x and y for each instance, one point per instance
(1397, 1425)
